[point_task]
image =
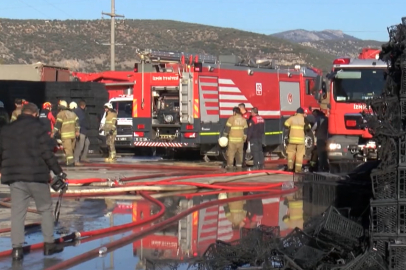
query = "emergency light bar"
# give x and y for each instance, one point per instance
(177, 56)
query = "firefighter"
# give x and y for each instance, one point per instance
(321, 131)
(46, 117)
(4, 117)
(247, 116)
(256, 131)
(314, 157)
(236, 130)
(110, 130)
(19, 104)
(67, 124)
(235, 211)
(294, 217)
(295, 149)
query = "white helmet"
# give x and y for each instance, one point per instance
(223, 142)
(1, 104)
(63, 103)
(108, 105)
(73, 105)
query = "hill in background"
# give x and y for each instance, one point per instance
(78, 43)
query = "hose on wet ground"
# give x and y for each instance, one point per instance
(115, 229)
(162, 225)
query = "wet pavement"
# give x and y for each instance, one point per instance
(209, 225)
(187, 238)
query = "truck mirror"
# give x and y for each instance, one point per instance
(318, 82)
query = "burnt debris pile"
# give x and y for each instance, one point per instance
(388, 206)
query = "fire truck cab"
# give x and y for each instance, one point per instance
(352, 83)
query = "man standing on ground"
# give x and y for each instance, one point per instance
(67, 124)
(236, 130)
(110, 129)
(26, 160)
(82, 145)
(321, 131)
(296, 148)
(256, 132)
(247, 116)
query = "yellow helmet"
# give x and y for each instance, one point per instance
(73, 105)
(63, 103)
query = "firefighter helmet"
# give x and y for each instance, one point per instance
(223, 142)
(108, 106)
(47, 105)
(73, 105)
(63, 103)
(1, 104)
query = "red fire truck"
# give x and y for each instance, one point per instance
(184, 103)
(191, 236)
(352, 82)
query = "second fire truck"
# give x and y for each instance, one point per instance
(353, 81)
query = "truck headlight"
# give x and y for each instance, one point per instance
(334, 146)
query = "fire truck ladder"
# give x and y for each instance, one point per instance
(185, 227)
(186, 98)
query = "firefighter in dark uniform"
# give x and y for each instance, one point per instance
(236, 131)
(314, 157)
(255, 134)
(247, 116)
(321, 131)
(296, 148)
(4, 117)
(48, 120)
(46, 117)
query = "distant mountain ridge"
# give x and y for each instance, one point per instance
(333, 42)
(301, 35)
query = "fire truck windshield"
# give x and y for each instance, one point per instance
(357, 88)
(124, 108)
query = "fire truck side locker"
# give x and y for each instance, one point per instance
(186, 99)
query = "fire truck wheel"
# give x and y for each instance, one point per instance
(309, 143)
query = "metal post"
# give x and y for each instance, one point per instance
(113, 15)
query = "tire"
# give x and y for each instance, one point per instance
(309, 143)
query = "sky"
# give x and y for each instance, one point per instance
(360, 18)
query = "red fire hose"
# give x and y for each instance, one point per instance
(132, 178)
(131, 238)
(92, 180)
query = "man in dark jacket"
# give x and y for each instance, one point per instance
(26, 160)
(255, 135)
(321, 132)
(82, 145)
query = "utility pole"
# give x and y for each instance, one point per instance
(112, 44)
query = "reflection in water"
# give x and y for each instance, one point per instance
(191, 236)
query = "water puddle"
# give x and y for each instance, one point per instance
(182, 241)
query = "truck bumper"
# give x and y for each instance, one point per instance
(340, 148)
